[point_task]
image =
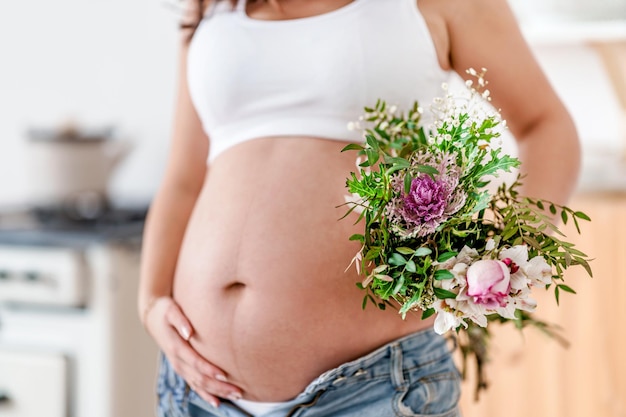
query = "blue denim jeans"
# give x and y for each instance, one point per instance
(413, 376)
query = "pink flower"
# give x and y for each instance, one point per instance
(489, 282)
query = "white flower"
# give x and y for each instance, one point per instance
(458, 282)
(466, 308)
(527, 304)
(518, 255)
(467, 255)
(523, 301)
(538, 271)
(447, 318)
(508, 311)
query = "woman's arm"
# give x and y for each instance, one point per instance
(171, 208)
(484, 33)
(165, 227)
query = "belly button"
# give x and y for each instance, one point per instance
(235, 286)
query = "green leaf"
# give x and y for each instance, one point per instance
(357, 237)
(582, 215)
(423, 251)
(442, 274)
(408, 181)
(411, 267)
(508, 234)
(446, 255)
(497, 163)
(556, 294)
(398, 285)
(426, 169)
(540, 205)
(352, 147)
(394, 160)
(372, 253)
(532, 242)
(443, 294)
(397, 259)
(564, 216)
(427, 313)
(566, 288)
(372, 156)
(568, 259)
(584, 263)
(552, 209)
(372, 142)
(459, 233)
(405, 251)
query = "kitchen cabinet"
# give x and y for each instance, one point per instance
(32, 384)
(532, 375)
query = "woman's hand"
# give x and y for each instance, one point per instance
(171, 330)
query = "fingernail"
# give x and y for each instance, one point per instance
(235, 396)
(221, 377)
(185, 332)
(214, 403)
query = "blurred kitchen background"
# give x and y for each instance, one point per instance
(92, 83)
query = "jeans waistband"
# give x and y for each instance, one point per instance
(414, 350)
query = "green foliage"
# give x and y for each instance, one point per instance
(403, 267)
(412, 264)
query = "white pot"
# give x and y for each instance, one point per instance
(72, 171)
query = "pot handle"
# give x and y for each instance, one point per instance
(117, 150)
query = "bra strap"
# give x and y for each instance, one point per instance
(241, 6)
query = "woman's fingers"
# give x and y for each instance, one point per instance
(206, 379)
(178, 320)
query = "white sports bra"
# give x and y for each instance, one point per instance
(309, 76)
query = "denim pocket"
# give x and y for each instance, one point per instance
(434, 395)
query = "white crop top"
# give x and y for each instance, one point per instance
(309, 76)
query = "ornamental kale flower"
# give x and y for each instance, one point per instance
(426, 201)
(431, 200)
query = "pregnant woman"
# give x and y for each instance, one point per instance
(244, 284)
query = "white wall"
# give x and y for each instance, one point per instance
(98, 62)
(104, 62)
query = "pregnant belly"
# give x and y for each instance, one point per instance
(262, 271)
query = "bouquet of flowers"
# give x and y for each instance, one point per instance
(436, 240)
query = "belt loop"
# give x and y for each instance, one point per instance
(396, 365)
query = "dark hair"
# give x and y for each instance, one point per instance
(199, 8)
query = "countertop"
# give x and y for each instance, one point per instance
(26, 229)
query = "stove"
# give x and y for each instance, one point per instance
(71, 344)
(54, 227)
